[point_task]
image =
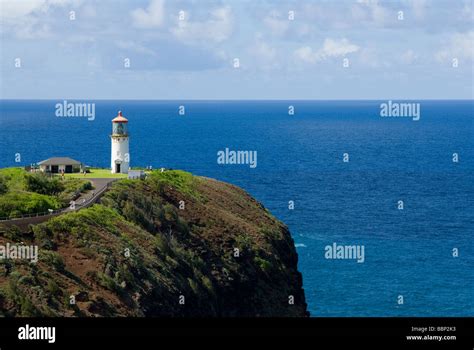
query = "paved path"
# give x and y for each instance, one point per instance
(83, 201)
(90, 197)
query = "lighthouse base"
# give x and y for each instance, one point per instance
(120, 161)
(119, 168)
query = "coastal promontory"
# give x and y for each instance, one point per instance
(173, 245)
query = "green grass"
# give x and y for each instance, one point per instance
(19, 199)
(181, 180)
(96, 173)
(14, 178)
(15, 204)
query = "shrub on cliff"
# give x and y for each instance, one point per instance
(40, 183)
(15, 204)
(29, 193)
(3, 185)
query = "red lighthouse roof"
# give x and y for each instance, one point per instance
(120, 118)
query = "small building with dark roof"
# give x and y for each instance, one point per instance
(60, 164)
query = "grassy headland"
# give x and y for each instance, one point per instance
(170, 245)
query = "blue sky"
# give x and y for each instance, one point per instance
(187, 49)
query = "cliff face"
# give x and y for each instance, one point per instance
(171, 245)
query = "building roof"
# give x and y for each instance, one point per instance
(59, 161)
(120, 118)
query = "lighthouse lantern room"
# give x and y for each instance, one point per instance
(120, 147)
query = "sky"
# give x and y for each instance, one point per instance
(236, 49)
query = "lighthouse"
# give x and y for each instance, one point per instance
(120, 149)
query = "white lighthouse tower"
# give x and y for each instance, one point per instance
(120, 148)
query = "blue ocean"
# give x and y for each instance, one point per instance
(408, 253)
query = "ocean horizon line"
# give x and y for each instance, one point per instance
(229, 100)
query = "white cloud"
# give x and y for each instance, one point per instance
(276, 24)
(334, 48)
(13, 9)
(460, 46)
(370, 57)
(217, 29)
(151, 17)
(264, 54)
(370, 10)
(26, 18)
(134, 46)
(306, 54)
(331, 48)
(265, 51)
